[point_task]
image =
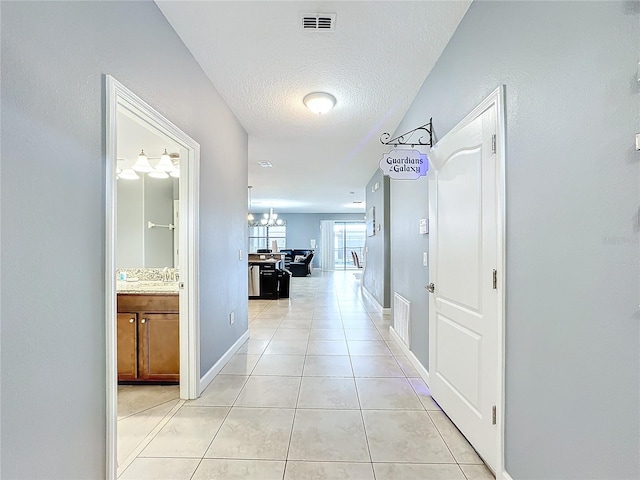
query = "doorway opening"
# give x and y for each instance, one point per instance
(348, 240)
(151, 293)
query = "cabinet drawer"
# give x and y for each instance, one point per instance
(133, 302)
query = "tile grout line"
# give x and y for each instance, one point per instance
(147, 440)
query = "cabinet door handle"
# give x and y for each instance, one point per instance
(144, 320)
(131, 320)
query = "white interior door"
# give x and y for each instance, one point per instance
(464, 247)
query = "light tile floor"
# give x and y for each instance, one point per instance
(320, 391)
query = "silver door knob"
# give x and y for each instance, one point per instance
(431, 287)
(131, 320)
(144, 320)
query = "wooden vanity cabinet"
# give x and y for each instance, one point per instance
(148, 346)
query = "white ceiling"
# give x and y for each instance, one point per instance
(263, 64)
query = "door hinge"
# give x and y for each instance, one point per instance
(495, 279)
(493, 415)
(493, 143)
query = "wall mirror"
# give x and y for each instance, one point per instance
(147, 195)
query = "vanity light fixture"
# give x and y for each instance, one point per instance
(142, 165)
(157, 173)
(319, 102)
(165, 164)
(128, 174)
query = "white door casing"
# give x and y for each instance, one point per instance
(119, 97)
(466, 245)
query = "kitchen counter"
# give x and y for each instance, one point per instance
(146, 287)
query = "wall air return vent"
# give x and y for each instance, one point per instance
(318, 22)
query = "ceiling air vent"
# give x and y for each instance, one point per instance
(318, 22)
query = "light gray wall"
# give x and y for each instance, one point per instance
(54, 57)
(377, 273)
(410, 203)
(141, 201)
(302, 227)
(572, 370)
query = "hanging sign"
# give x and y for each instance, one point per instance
(404, 164)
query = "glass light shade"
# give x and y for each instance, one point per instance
(142, 165)
(279, 221)
(165, 164)
(263, 221)
(128, 174)
(250, 217)
(175, 173)
(157, 173)
(319, 102)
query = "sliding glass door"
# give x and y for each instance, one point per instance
(348, 237)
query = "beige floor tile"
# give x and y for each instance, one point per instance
(291, 334)
(318, 324)
(407, 471)
(160, 469)
(370, 334)
(257, 333)
(327, 366)
(253, 346)
(406, 366)
(328, 471)
(326, 334)
(240, 365)
(462, 451)
(269, 391)
(253, 433)
(394, 347)
(222, 391)
(423, 393)
(188, 433)
(287, 347)
(477, 472)
(222, 469)
(304, 323)
(387, 393)
(327, 347)
(368, 347)
(375, 366)
(328, 435)
(262, 322)
(133, 429)
(404, 436)
(286, 365)
(328, 392)
(134, 399)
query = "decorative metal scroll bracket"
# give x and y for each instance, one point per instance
(422, 135)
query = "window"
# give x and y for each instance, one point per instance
(262, 236)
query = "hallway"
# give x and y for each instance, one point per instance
(320, 391)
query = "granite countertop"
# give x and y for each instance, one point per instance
(146, 286)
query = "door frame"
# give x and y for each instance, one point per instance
(497, 98)
(117, 95)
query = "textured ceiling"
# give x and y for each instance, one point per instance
(263, 64)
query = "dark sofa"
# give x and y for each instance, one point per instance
(300, 268)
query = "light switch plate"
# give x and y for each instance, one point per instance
(425, 259)
(240, 254)
(232, 318)
(637, 141)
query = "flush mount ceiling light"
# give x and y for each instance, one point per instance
(319, 102)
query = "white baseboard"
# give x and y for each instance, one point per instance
(374, 300)
(409, 354)
(208, 377)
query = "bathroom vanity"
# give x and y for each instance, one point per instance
(148, 325)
